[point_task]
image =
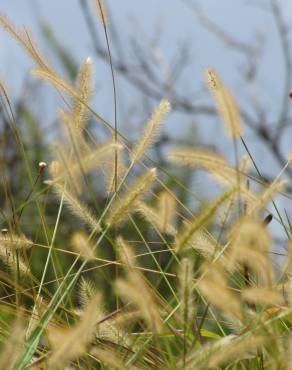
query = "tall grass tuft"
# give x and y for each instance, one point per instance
(177, 282)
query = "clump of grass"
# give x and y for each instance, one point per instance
(177, 289)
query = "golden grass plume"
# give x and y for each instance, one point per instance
(250, 245)
(226, 104)
(135, 290)
(84, 90)
(154, 217)
(14, 241)
(213, 286)
(24, 38)
(184, 236)
(82, 245)
(125, 203)
(69, 344)
(151, 130)
(76, 207)
(12, 349)
(186, 291)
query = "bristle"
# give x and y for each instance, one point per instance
(72, 130)
(35, 316)
(124, 205)
(226, 105)
(287, 267)
(151, 130)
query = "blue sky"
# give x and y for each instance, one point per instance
(169, 23)
(173, 21)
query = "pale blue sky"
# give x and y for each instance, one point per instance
(144, 20)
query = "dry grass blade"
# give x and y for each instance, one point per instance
(226, 105)
(151, 130)
(124, 205)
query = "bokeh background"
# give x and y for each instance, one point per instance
(160, 50)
